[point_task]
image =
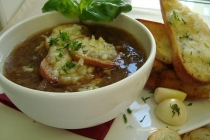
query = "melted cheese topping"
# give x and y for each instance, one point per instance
(97, 48)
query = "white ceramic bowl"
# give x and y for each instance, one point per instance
(79, 109)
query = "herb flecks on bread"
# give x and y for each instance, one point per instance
(189, 36)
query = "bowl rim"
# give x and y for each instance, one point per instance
(149, 58)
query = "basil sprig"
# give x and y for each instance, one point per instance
(95, 10)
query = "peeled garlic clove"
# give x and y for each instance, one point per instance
(172, 111)
(161, 94)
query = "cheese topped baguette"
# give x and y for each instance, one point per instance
(72, 56)
(190, 39)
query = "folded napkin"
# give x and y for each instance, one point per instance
(96, 132)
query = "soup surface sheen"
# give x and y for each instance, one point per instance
(23, 64)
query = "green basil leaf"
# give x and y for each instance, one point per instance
(68, 8)
(50, 6)
(96, 10)
(84, 4)
(104, 11)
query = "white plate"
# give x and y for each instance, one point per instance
(198, 115)
(15, 125)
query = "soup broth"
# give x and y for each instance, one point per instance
(23, 64)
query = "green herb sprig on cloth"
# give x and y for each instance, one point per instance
(95, 10)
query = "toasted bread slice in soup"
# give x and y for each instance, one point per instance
(57, 56)
(69, 48)
(164, 75)
(73, 31)
(163, 44)
(95, 52)
(189, 36)
(45, 70)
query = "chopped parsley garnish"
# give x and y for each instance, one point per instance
(62, 39)
(53, 41)
(75, 46)
(68, 66)
(175, 109)
(60, 54)
(190, 104)
(125, 118)
(129, 111)
(64, 36)
(64, 69)
(144, 99)
(184, 21)
(175, 16)
(143, 118)
(185, 35)
(66, 45)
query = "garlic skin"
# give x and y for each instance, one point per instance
(162, 94)
(164, 112)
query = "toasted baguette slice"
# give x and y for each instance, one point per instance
(165, 134)
(95, 52)
(163, 45)
(45, 70)
(198, 134)
(189, 36)
(164, 75)
(95, 61)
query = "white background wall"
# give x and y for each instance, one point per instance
(8, 8)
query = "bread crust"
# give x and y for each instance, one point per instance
(163, 44)
(198, 134)
(163, 75)
(165, 134)
(185, 30)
